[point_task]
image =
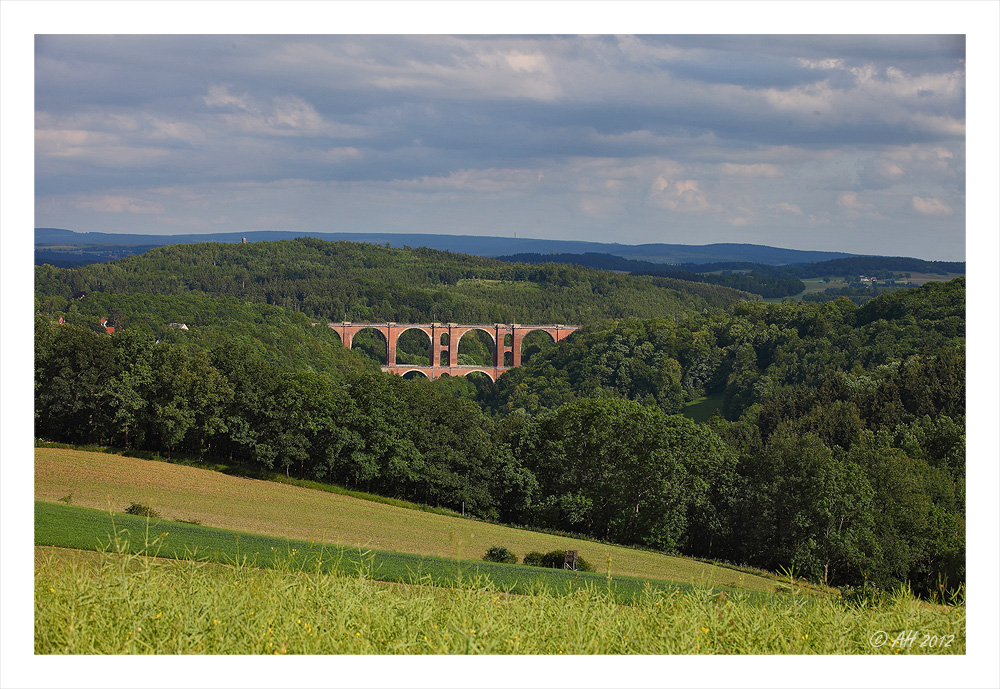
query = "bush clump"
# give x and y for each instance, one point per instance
(498, 553)
(555, 559)
(140, 510)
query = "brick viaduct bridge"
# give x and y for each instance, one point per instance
(444, 337)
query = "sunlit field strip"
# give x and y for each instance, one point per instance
(122, 603)
(107, 481)
(88, 529)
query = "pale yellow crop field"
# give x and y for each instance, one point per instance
(214, 499)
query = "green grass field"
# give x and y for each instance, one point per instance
(186, 494)
(701, 410)
(84, 528)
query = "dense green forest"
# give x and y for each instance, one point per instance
(839, 451)
(336, 281)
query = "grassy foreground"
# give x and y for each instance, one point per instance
(124, 603)
(188, 494)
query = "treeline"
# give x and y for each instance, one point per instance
(869, 265)
(764, 283)
(589, 259)
(335, 281)
(767, 281)
(852, 265)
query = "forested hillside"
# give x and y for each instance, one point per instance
(335, 281)
(765, 280)
(839, 453)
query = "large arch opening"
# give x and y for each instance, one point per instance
(535, 342)
(371, 344)
(334, 335)
(480, 382)
(476, 348)
(413, 346)
(413, 374)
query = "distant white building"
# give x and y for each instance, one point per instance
(182, 326)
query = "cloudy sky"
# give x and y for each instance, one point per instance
(835, 142)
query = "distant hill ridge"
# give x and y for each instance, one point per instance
(688, 271)
(54, 244)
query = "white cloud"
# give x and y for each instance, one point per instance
(682, 196)
(279, 116)
(785, 207)
(471, 70)
(220, 97)
(850, 201)
(931, 206)
(70, 142)
(291, 112)
(879, 172)
(852, 205)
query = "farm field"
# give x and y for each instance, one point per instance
(814, 285)
(120, 603)
(84, 528)
(187, 494)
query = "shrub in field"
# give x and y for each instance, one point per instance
(499, 553)
(140, 510)
(534, 559)
(555, 559)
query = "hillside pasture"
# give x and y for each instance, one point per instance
(87, 529)
(187, 494)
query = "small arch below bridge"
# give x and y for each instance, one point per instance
(414, 373)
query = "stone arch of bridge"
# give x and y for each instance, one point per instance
(526, 335)
(387, 349)
(485, 372)
(458, 334)
(396, 334)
